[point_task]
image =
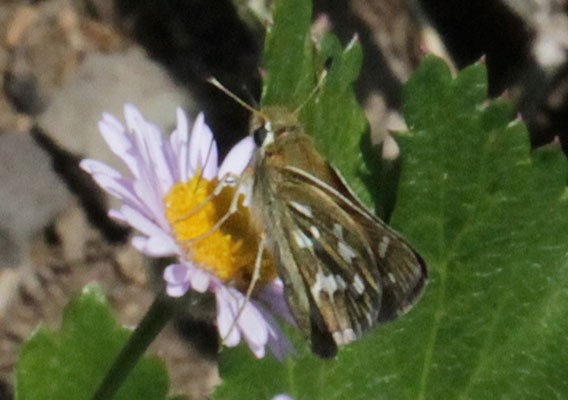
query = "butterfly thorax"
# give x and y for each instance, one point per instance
(285, 144)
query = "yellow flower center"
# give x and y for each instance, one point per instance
(229, 252)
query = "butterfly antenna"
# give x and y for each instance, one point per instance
(316, 89)
(233, 96)
(250, 98)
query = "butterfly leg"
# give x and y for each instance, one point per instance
(220, 185)
(232, 209)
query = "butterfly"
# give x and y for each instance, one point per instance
(344, 270)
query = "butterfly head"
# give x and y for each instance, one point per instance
(271, 123)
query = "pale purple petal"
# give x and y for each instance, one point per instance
(277, 341)
(155, 246)
(139, 243)
(117, 187)
(174, 290)
(137, 127)
(238, 157)
(273, 296)
(227, 309)
(119, 141)
(279, 345)
(177, 279)
(180, 144)
(113, 182)
(187, 273)
(147, 142)
(203, 149)
(253, 325)
(161, 245)
(96, 167)
(117, 215)
(180, 135)
(151, 146)
(113, 122)
(200, 279)
(176, 273)
(154, 206)
(154, 180)
(211, 158)
(172, 162)
(141, 222)
(258, 350)
(160, 168)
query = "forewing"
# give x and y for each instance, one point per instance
(402, 271)
(334, 258)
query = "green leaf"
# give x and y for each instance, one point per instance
(489, 217)
(71, 363)
(332, 114)
(288, 59)
(491, 220)
(336, 119)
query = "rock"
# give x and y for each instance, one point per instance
(31, 195)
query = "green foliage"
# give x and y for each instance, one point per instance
(71, 363)
(491, 220)
(333, 116)
(488, 217)
(288, 80)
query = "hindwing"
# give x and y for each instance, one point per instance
(402, 270)
(330, 252)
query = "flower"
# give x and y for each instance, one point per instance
(283, 396)
(176, 197)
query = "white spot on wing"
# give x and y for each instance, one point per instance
(302, 240)
(369, 319)
(392, 277)
(338, 337)
(338, 231)
(383, 246)
(358, 284)
(301, 208)
(341, 284)
(346, 251)
(344, 337)
(326, 283)
(315, 232)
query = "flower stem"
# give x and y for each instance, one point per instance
(161, 311)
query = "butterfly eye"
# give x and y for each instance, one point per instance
(259, 135)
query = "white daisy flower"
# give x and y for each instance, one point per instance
(169, 199)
